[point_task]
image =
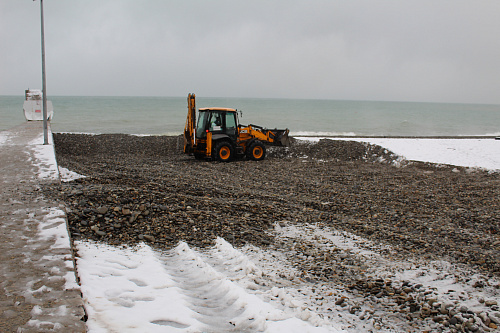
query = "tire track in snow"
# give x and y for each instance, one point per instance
(219, 285)
(181, 290)
(222, 306)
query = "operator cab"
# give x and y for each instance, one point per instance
(217, 121)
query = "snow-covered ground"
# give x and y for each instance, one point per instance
(479, 153)
(223, 289)
(182, 290)
(474, 153)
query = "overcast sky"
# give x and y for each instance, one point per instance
(435, 50)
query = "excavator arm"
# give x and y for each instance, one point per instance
(190, 128)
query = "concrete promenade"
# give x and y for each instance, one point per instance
(39, 292)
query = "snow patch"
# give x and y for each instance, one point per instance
(176, 291)
(68, 175)
(472, 153)
(53, 227)
(45, 159)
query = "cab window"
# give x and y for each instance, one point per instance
(200, 127)
(230, 120)
(216, 122)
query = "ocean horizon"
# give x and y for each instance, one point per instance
(304, 117)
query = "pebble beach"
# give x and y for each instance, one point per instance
(144, 189)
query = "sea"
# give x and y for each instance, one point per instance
(303, 117)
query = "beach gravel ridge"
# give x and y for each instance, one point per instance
(144, 189)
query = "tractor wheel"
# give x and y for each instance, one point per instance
(199, 156)
(256, 151)
(224, 152)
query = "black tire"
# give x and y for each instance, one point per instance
(256, 151)
(223, 152)
(199, 156)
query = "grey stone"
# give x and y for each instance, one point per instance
(102, 210)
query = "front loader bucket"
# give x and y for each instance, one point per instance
(281, 137)
(285, 140)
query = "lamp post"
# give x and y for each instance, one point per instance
(44, 82)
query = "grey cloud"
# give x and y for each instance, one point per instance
(377, 50)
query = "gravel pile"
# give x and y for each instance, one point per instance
(145, 189)
(374, 293)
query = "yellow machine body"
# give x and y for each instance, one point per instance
(216, 134)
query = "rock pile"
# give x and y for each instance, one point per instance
(420, 304)
(160, 216)
(332, 150)
(372, 291)
(146, 189)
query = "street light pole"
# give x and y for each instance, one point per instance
(44, 82)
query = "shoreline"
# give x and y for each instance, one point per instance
(401, 136)
(320, 136)
(463, 151)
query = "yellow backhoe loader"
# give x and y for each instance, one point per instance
(217, 135)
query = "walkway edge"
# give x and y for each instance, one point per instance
(40, 289)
